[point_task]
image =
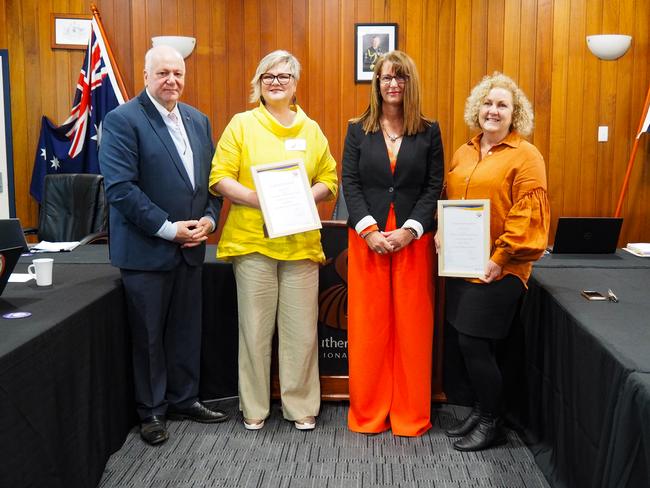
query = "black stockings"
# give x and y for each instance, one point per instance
(484, 373)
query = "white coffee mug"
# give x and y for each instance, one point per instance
(41, 269)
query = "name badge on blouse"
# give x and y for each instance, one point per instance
(295, 145)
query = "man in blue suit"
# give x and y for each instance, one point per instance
(155, 156)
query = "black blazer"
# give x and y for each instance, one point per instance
(146, 183)
(414, 188)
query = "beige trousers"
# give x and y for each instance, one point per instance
(286, 291)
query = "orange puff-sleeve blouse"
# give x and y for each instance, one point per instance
(512, 176)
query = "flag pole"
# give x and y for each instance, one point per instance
(630, 163)
(109, 52)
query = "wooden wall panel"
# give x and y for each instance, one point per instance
(540, 43)
(3, 22)
(637, 215)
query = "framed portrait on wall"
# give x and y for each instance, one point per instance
(371, 41)
(70, 31)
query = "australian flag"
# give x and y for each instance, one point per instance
(73, 146)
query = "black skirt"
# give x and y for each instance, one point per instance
(483, 309)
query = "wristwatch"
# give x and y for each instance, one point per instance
(412, 231)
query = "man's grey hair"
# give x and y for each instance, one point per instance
(155, 51)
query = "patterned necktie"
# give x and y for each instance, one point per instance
(177, 126)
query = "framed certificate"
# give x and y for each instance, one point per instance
(70, 31)
(464, 234)
(286, 199)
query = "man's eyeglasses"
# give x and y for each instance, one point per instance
(387, 79)
(283, 78)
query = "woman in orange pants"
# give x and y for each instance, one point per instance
(392, 177)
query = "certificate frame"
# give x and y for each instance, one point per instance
(476, 264)
(274, 225)
(70, 31)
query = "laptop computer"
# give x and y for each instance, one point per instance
(12, 245)
(587, 235)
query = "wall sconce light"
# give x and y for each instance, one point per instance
(609, 46)
(184, 45)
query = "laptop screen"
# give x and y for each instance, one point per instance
(8, 260)
(587, 235)
(11, 234)
(12, 245)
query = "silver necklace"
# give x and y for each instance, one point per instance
(392, 138)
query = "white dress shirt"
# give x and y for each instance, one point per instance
(174, 122)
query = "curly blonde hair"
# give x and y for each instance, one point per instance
(522, 111)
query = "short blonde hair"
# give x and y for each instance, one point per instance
(403, 65)
(269, 61)
(522, 111)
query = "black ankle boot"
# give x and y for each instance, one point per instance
(465, 426)
(487, 433)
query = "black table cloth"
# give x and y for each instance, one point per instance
(587, 386)
(66, 399)
(66, 388)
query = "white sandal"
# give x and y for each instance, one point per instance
(253, 424)
(305, 423)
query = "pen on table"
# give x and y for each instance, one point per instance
(611, 296)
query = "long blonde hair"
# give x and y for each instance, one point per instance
(414, 121)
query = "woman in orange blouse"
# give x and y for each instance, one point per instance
(498, 164)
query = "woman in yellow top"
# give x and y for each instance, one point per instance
(498, 164)
(277, 279)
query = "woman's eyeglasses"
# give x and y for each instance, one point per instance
(283, 78)
(387, 79)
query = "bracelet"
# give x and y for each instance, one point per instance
(412, 231)
(366, 234)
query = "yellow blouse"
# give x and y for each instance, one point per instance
(255, 137)
(513, 176)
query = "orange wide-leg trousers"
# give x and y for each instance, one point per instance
(390, 337)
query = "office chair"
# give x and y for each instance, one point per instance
(73, 208)
(340, 208)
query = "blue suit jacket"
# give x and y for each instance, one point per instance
(146, 183)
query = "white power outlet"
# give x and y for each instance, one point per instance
(603, 133)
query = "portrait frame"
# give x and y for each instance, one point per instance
(370, 41)
(70, 31)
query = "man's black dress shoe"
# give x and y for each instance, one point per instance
(198, 413)
(153, 430)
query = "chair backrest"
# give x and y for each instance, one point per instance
(340, 209)
(73, 206)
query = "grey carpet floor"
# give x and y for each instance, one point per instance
(280, 456)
